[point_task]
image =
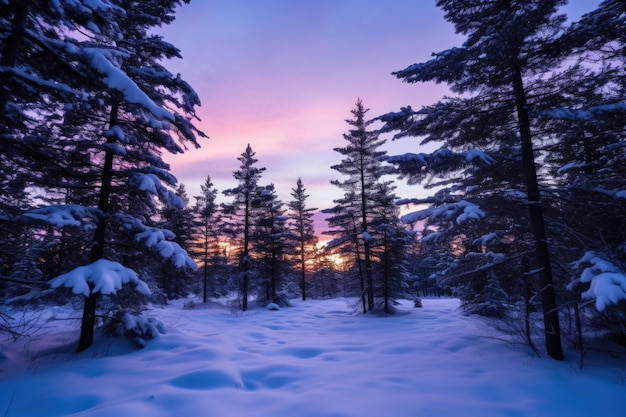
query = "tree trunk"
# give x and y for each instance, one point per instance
(244, 290)
(360, 265)
(206, 259)
(366, 246)
(302, 268)
(386, 273)
(368, 275)
(89, 310)
(550, 311)
(274, 276)
(527, 305)
(246, 259)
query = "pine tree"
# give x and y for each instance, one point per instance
(179, 221)
(302, 229)
(587, 160)
(271, 242)
(352, 214)
(241, 209)
(149, 87)
(108, 108)
(508, 44)
(390, 241)
(208, 212)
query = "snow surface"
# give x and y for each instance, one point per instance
(316, 359)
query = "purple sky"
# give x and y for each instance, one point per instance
(283, 76)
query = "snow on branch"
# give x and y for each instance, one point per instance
(69, 215)
(62, 87)
(102, 276)
(156, 239)
(116, 79)
(486, 239)
(415, 216)
(470, 212)
(461, 212)
(472, 154)
(418, 166)
(150, 183)
(588, 113)
(612, 193)
(87, 5)
(434, 237)
(607, 281)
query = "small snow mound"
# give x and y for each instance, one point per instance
(273, 307)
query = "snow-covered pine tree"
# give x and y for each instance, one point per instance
(181, 222)
(208, 213)
(37, 77)
(587, 162)
(302, 228)
(351, 215)
(240, 212)
(507, 48)
(272, 244)
(390, 240)
(108, 109)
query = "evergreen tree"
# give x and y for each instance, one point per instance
(180, 221)
(272, 242)
(208, 212)
(241, 210)
(390, 241)
(346, 241)
(586, 161)
(353, 213)
(302, 229)
(108, 109)
(508, 48)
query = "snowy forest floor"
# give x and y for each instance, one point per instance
(315, 359)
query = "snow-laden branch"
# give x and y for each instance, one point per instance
(102, 276)
(88, 6)
(151, 184)
(156, 239)
(486, 239)
(589, 113)
(461, 212)
(62, 87)
(116, 79)
(611, 193)
(439, 155)
(69, 215)
(607, 280)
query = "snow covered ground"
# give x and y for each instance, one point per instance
(316, 359)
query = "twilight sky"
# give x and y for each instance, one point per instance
(283, 76)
